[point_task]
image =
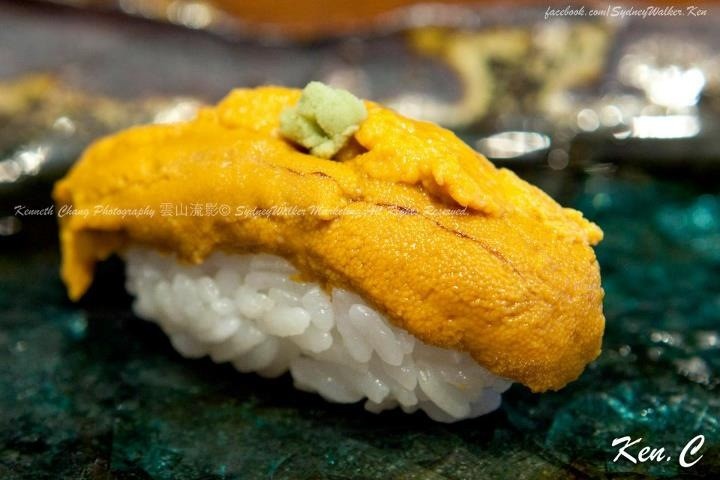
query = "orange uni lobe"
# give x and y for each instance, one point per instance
(459, 253)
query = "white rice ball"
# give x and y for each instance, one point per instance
(247, 310)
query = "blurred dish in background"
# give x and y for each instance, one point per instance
(308, 20)
(300, 20)
(297, 20)
(523, 90)
(508, 71)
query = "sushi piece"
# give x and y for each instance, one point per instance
(372, 256)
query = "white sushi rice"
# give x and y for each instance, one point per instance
(247, 310)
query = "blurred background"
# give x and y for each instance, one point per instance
(612, 108)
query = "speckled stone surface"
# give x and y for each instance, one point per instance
(89, 391)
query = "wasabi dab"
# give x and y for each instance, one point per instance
(323, 120)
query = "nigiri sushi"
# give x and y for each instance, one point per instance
(372, 256)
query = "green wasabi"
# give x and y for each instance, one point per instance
(323, 120)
